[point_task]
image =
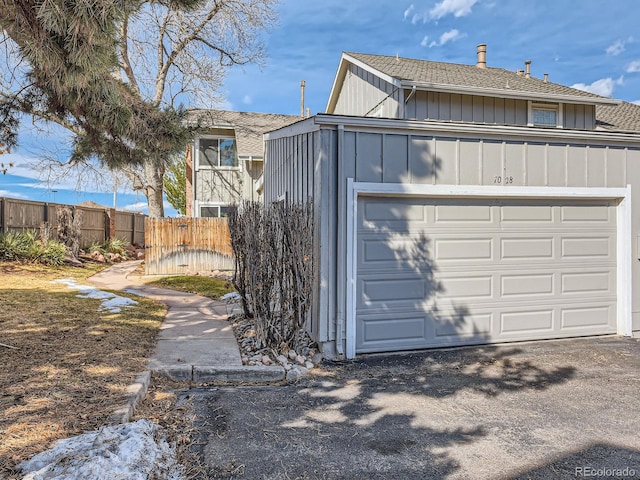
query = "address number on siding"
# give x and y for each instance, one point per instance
(500, 179)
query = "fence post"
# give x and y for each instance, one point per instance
(110, 224)
(5, 216)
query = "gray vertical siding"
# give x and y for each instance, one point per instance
(362, 92)
(307, 165)
(465, 108)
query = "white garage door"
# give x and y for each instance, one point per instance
(434, 272)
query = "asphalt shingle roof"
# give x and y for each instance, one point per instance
(413, 70)
(249, 126)
(624, 117)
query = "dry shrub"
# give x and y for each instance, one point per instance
(70, 228)
(273, 248)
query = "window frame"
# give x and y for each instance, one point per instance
(219, 206)
(557, 108)
(205, 166)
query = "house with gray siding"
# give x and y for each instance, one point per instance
(224, 163)
(464, 204)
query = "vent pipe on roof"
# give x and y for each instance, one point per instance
(546, 78)
(527, 69)
(302, 85)
(482, 55)
(520, 72)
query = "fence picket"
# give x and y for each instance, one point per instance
(187, 245)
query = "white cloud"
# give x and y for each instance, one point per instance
(408, 11)
(10, 194)
(615, 48)
(457, 8)
(446, 37)
(247, 100)
(619, 46)
(636, 102)
(424, 41)
(603, 87)
(633, 67)
(137, 207)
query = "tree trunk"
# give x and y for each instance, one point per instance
(154, 173)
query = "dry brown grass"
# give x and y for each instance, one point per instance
(71, 365)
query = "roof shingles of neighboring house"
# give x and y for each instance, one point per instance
(249, 127)
(442, 73)
(624, 117)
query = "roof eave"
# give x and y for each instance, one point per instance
(505, 93)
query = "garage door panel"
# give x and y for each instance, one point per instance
(581, 283)
(527, 285)
(482, 214)
(598, 316)
(526, 248)
(588, 214)
(433, 272)
(517, 214)
(590, 247)
(527, 322)
(456, 249)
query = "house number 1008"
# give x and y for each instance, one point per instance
(505, 180)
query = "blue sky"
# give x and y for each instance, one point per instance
(588, 44)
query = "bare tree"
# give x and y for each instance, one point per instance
(168, 54)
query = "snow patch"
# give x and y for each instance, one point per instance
(110, 301)
(230, 297)
(135, 451)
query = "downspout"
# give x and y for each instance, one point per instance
(404, 106)
(341, 247)
(411, 94)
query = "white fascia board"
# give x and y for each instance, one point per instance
(623, 234)
(345, 60)
(307, 125)
(475, 130)
(506, 93)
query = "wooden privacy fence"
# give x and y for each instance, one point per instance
(187, 245)
(98, 224)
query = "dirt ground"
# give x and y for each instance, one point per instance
(65, 364)
(558, 409)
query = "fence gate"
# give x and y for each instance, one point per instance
(187, 245)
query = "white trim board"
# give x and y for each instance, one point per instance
(623, 232)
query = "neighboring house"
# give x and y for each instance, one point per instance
(224, 164)
(461, 204)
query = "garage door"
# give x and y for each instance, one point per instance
(434, 272)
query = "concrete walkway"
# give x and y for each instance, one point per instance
(196, 343)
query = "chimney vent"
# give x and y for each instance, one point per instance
(302, 85)
(527, 69)
(546, 78)
(482, 55)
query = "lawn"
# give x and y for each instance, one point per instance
(65, 364)
(205, 286)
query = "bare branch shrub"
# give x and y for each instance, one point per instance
(69, 228)
(273, 247)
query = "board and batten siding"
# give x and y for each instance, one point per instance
(424, 159)
(416, 156)
(295, 173)
(366, 94)
(455, 107)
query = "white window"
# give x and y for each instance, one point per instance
(545, 114)
(217, 152)
(214, 211)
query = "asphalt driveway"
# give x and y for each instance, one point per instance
(557, 409)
